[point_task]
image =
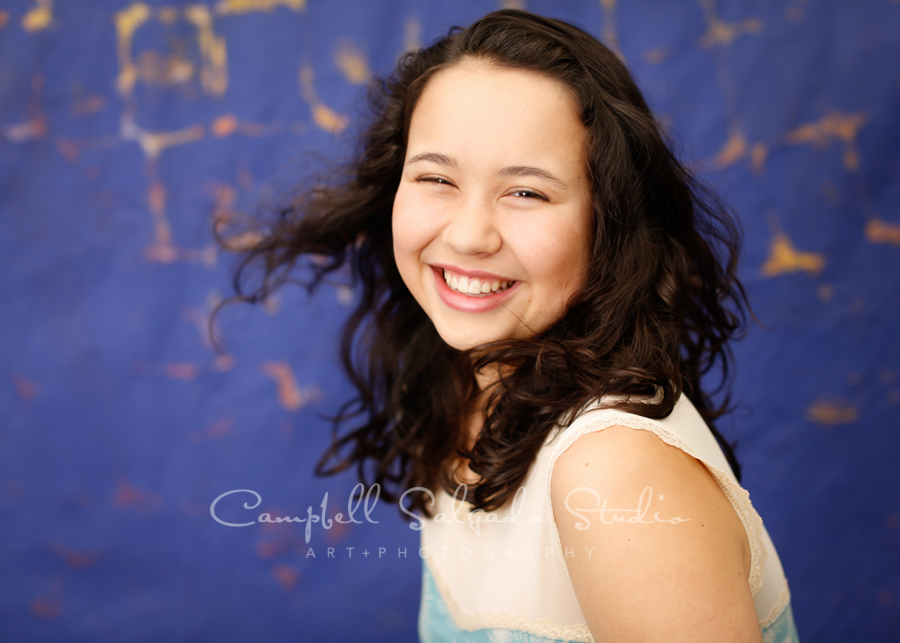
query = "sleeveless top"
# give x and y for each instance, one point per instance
(502, 576)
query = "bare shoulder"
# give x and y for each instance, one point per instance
(654, 549)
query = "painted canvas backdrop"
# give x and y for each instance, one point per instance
(124, 128)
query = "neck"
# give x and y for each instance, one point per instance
(487, 378)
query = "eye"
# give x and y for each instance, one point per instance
(433, 179)
(523, 193)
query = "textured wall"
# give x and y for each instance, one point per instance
(125, 127)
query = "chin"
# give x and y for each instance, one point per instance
(464, 341)
(460, 345)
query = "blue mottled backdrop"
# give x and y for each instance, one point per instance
(125, 127)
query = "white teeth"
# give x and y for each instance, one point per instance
(475, 286)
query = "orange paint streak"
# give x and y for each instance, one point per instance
(35, 127)
(286, 576)
(73, 558)
(156, 198)
(825, 292)
(722, 32)
(832, 412)
(224, 363)
(833, 126)
(758, 154)
(182, 371)
(216, 430)
(69, 149)
(290, 396)
(49, 605)
(167, 15)
(655, 56)
(735, 148)
(89, 105)
(127, 496)
(268, 549)
(339, 530)
(878, 231)
(324, 117)
(224, 126)
(39, 17)
(279, 538)
(46, 607)
(783, 258)
(26, 389)
(352, 63)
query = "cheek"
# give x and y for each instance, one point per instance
(410, 231)
(555, 257)
(401, 224)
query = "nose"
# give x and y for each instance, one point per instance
(472, 229)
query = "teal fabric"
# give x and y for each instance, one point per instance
(782, 629)
(436, 624)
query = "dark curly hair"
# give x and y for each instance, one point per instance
(659, 304)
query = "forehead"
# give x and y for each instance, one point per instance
(478, 110)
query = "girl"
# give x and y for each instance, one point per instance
(542, 285)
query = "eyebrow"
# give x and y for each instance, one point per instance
(433, 157)
(512, 170)
(527, 170)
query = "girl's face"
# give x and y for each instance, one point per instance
(492, 220)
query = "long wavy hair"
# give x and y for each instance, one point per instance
(660, 302)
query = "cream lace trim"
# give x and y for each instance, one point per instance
(737, 495)
(543, 627)
(778, 608)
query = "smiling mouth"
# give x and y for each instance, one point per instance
(475, 287)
